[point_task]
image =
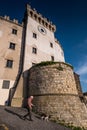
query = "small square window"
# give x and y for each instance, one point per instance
(34, 35)
(34, 50)
(6, 84)
(52, 58)
(12, 46)
(14, 31)
(9, 63)
(51, 44)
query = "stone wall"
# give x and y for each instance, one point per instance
(61, 107)
(52, 79)
(78, 85)
(10, 48)
(56, 94)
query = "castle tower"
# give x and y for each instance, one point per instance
(57, 93)
(40, 43)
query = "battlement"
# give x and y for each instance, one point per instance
(40, 19)
(7, 18)
(56, 41)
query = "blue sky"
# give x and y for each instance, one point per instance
(70, 18)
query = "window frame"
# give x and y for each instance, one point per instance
(9, 63)
(12, 45)
(34, 50)
(52, 58)
(14, 31)
(6, 84)
(34, 35)
(51, 44)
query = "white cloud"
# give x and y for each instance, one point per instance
(84, 80)
(82, 45)
(82, 69)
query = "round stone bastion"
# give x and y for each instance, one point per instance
(55, 93)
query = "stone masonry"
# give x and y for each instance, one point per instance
(56, 94)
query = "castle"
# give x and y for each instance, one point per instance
(53, 83)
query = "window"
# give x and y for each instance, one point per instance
(51, 44)
(34, 50)
(33, 64)
(34, 35)
(52, 58)
(12, 46)
(9, 63)
(6, 84)
(14, 31)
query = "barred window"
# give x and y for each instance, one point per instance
(51, 44)
(14, 31)
(12, 46)
(9, 63)
(34, 35)
(6, 84)
(52, 58)
(34, 50)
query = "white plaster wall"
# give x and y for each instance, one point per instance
(59, 54)
(4, 92)
(6, 37)
(1, 33)
(42, 43)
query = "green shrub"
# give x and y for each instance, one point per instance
(59, 68)
(45, 63)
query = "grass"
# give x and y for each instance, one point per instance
(69, 125)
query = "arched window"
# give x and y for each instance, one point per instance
(35, 16)
(39, 20)
(31, 13)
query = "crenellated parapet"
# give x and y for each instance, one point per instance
(40, 19)
(7, 18)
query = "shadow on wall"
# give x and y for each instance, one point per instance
(24, 84)
(25, 87)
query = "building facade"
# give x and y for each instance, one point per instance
(55, 86)
(40, 42)
(22, 46)
(10, 48)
